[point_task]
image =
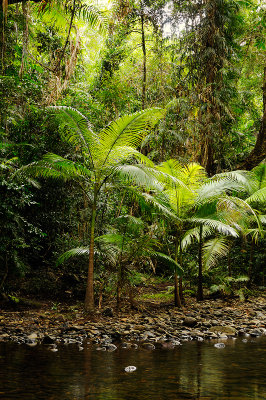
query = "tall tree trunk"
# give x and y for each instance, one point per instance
(209, 82)
(258, 154)
(143, 44)
(200, 288)
(89, 297)
(25, 10)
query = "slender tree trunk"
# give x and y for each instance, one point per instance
(120, 278)
(200, 288)
(181, 295)
(89, 298)
(251, 254)
(177, 297)
(144, 77)
(229, 261)
(5, 274)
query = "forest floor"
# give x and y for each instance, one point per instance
(152, 321)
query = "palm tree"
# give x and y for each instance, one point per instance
(179, 184)
(216, 210)
(102, 157)
(130, 245)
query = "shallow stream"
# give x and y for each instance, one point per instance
(195, 370)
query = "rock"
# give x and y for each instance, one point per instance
(111, 347)
(190, 321)
(255, 332)
(108, 312)
(148, 346)
(130, 368)
(176, 343)
(227, 330)
(207, 324)
(33, 336)
(48, 339)
(4, 336)
(125, 345)
(149, 334)
(116, 335)
(219, 345)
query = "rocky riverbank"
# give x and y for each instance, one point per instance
(150, 328)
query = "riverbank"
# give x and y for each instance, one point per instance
(152, 327)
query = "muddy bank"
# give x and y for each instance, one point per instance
(150, 328)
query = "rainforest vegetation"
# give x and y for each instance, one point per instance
(132, 147)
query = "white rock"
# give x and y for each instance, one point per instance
(219, 345)
(130, 368)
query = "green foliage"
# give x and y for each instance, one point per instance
(232, 287)
(149, 202)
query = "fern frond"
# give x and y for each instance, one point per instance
(213, 250)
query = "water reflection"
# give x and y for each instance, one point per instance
(195, 370)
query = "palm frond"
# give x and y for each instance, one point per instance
(169, 180)
(111, 238)
(63, 164)
(212, 189)
(216, 225)
(128, 130)
(258, 197)
(260, 173)
(139, 175)
(77, 131)
(160, 204)
(54, 166)
(214, 249)
(193, 235)
(56, 12)
(120, 154)
(171, 167)
(130, 219)
(238, 209)
(194, 174)
(255, 234)
(78, 251)
(241, 177)
(262, 219)
(169, 261)
(95, 18)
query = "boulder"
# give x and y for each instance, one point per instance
(190, 321)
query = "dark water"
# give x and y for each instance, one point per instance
(191, 371)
